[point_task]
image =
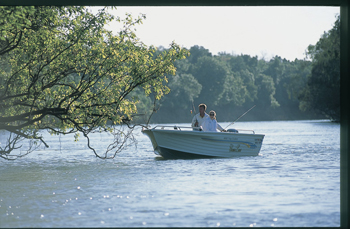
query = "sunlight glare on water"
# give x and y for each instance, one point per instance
(294, 182)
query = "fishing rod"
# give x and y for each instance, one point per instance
(240, 116)
(194, 108)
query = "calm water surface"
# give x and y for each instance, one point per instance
(295, 181)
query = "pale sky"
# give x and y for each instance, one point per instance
(255, 31)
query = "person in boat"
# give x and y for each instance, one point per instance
(211, 124)
(199, 118)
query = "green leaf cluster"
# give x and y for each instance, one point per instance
(322, 93)
(61, 70)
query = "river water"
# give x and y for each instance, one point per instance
(294, 182)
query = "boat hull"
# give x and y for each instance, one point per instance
(174, 144)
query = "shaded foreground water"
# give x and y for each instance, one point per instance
(295, 181)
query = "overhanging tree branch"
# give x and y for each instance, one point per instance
(63, 79)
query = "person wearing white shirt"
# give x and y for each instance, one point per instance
(211, 124)
(199, 118)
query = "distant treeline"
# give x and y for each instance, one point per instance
(231, 84)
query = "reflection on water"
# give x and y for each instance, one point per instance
(293, 182)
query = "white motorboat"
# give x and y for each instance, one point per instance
(175, 142)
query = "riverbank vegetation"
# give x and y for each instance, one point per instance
(280, 89)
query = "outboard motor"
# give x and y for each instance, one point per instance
(232, 130)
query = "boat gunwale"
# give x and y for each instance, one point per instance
(205, 133)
